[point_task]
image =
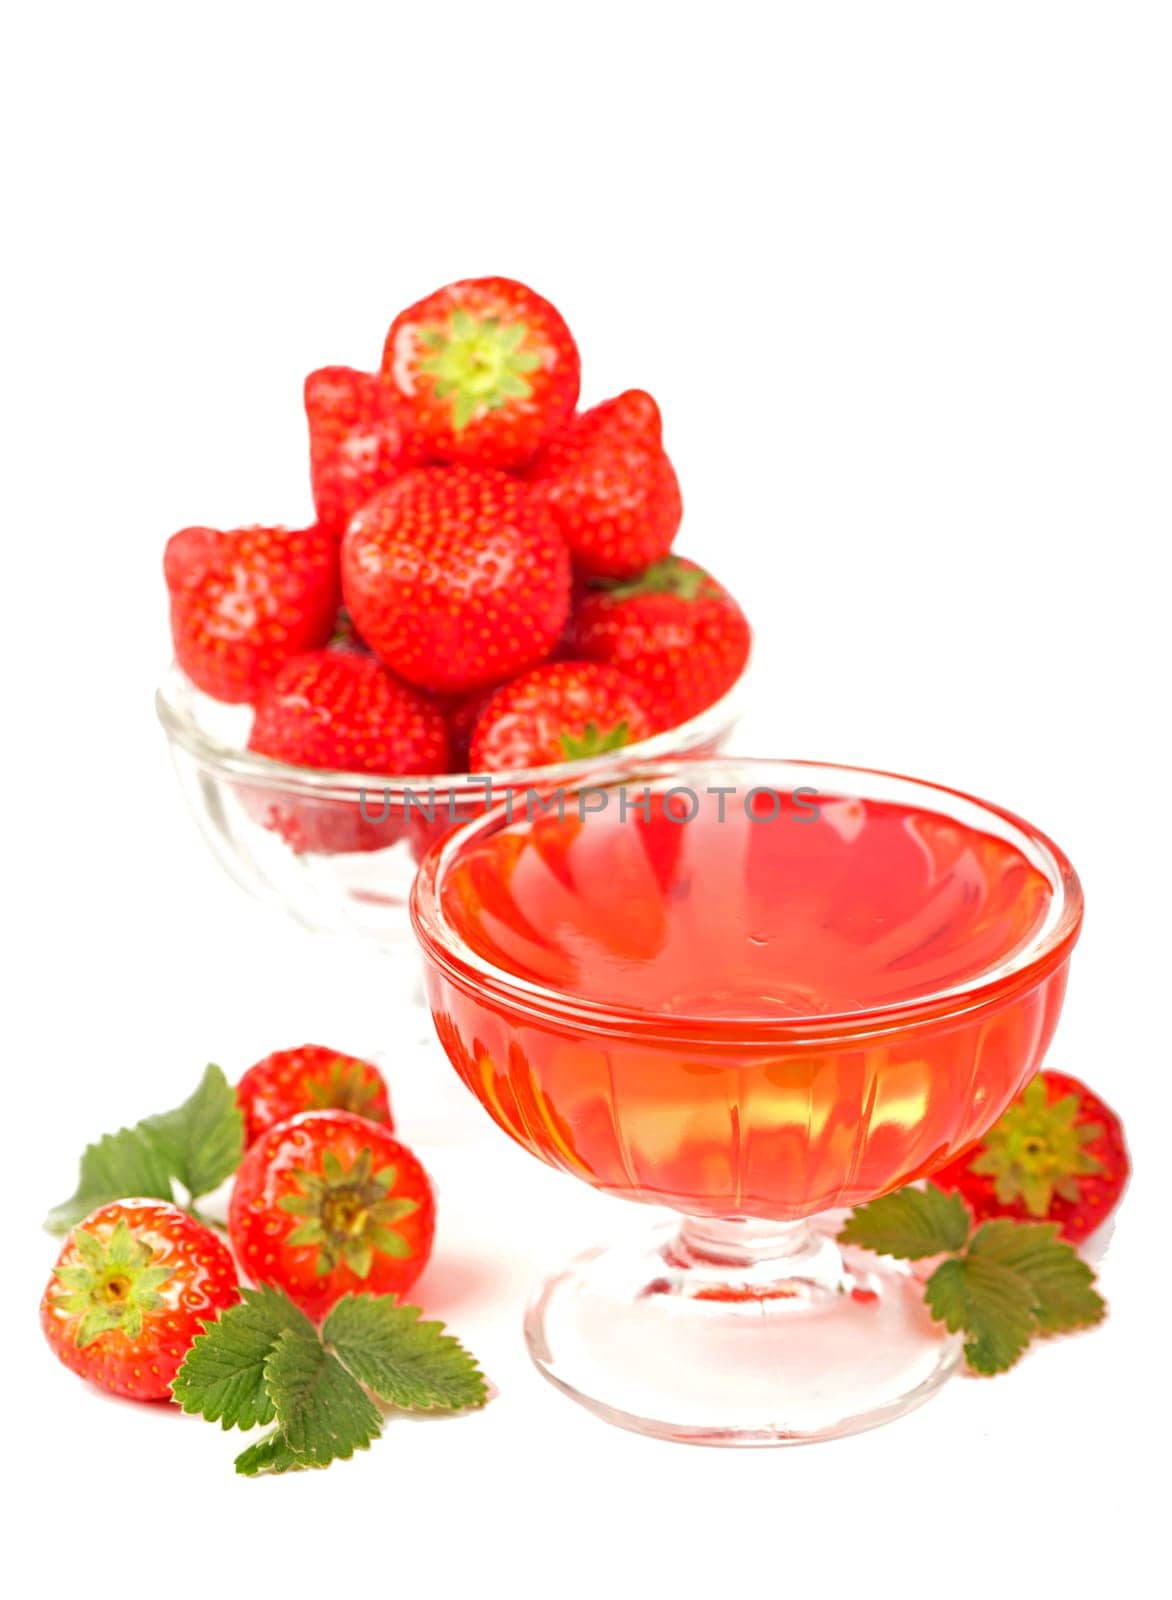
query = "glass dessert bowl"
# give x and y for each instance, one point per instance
(339, 850)
(753, 992)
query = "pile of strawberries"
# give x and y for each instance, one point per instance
(489, 584)
(325, 1202)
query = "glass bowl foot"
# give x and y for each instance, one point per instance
(739, 1333)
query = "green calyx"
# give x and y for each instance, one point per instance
(478, 365)
(345, 1087)
(349, 1214)
(112, 1288)
(669, 576)
(594, 741)
(1037, 1150)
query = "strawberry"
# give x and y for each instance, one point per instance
(1057, 1155)
(456, 578)
(132, 1288)
(341, 710)
(310, 1078)
(485, 370)
(328, 1204)
(563, 711)
(611, 488)
(244, 601)
(345, 711)
(358, 441)
(675, 629)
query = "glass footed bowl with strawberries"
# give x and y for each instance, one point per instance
(488, 599)
(752, 993)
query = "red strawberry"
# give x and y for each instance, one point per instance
(562, 711)
(243, 602)
(456, 578)
(675, 629)
(132, 1288)
(1057, 1155)
(358, 441)
(342, 711)
(611, 488)
(329, 1204)
(485, 369)
(310, 1078)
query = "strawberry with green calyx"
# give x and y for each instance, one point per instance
(264, 1363)
(484, 370)
(310, 1078)
(327, 1203)
(1002, 1285)
(457, 578)
(611, 487)
(563, 711)
(674, 629)
(1057, 1154)
(244, 601)
(130, 1292)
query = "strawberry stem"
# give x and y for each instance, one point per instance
(345, 1088)
(669, 576)
(478, 364)
(348, 1214)
(594, 741)
(109, 1285)
(1037, 1150)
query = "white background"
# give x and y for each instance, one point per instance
(900, 279)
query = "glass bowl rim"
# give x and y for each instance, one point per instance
(1043, 952)
(217, 755)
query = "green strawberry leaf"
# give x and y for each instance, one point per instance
(263, 1361)
(1009, 1283)
(270, 1453)
(990, 1303)
(223, 1374)
(1060, 1281)
(324, 1414)
(909, 1224)
(200, 1144)
(203, 1139)
(407, 1363)
(119, 1165)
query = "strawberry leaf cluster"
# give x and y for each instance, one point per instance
(264, 1363)
(1002, 1285)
